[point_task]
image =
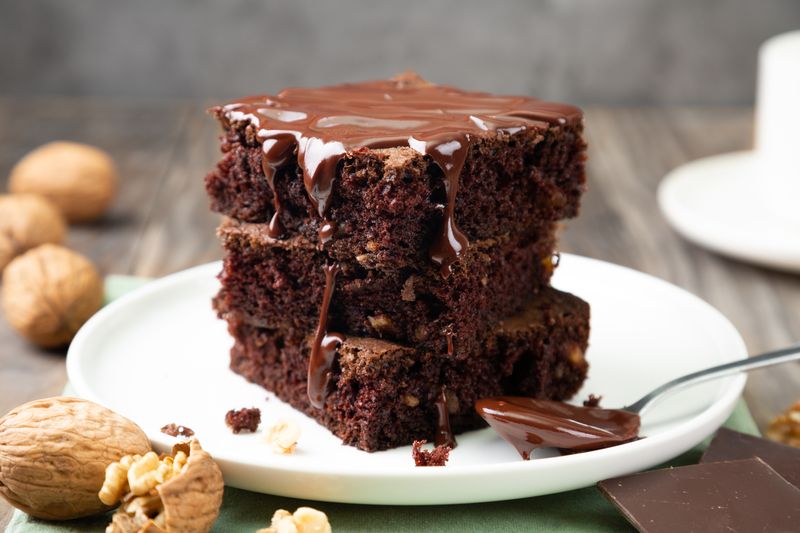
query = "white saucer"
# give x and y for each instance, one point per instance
(720, 203)
(160, 355)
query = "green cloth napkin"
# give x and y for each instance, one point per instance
(583, 510)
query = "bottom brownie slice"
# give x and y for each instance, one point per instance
(384, 395)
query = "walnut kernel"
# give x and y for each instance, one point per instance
(283, 436)
(410, 400)
(453, 404)
(139, 474)
(303, 520)
(381, 323)
(178, 492)
(576, 356)
(407, 294)
(785, 428)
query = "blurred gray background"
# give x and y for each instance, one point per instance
(587, 51)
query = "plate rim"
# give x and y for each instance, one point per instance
(740, 164)
(696, 425)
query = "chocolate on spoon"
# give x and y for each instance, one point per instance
(528, 423)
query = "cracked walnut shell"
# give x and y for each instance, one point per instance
(177, 493)
(53, 454)
(26, 221)
(49, 292)
(79, 179)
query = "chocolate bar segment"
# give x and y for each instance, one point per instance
(729, 445)
(744, 495)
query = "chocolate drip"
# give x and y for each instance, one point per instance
(444, 435)
(529, 424)
(323, 125)
(449, 241)
(450, 335)
(326, 230)
(276, 153)
(323, 347)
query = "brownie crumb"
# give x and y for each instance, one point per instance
(246, 419)
(593, 401)
(436, 457)
(174, 430)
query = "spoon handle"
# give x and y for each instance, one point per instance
(777, 357)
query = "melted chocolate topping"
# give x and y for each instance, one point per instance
(322, 125)
(450, 336)
(277, 152)
(529, 424)
(323, 347)
(444, 435)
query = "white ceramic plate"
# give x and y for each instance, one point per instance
(160, 355)
(724, 203)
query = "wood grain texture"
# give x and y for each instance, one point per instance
(160, 222)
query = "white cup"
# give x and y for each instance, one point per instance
(777, 139)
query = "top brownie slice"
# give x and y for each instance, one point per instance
(398, 171)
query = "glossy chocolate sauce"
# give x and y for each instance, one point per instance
(322, 125)
(323, 347)
(528, 424)
(277, 152)
(450, 335)
(444, 434)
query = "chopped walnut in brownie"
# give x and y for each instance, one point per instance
(592, 401)
(174, 430)
(436, 457)
(245, 419)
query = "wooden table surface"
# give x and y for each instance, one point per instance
(160, 222)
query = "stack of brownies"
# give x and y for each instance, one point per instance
(388, 252)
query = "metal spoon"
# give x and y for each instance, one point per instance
(777, 357)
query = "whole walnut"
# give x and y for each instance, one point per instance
(79, 179)
(54, 451)
(26, 221)
(49, 292)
